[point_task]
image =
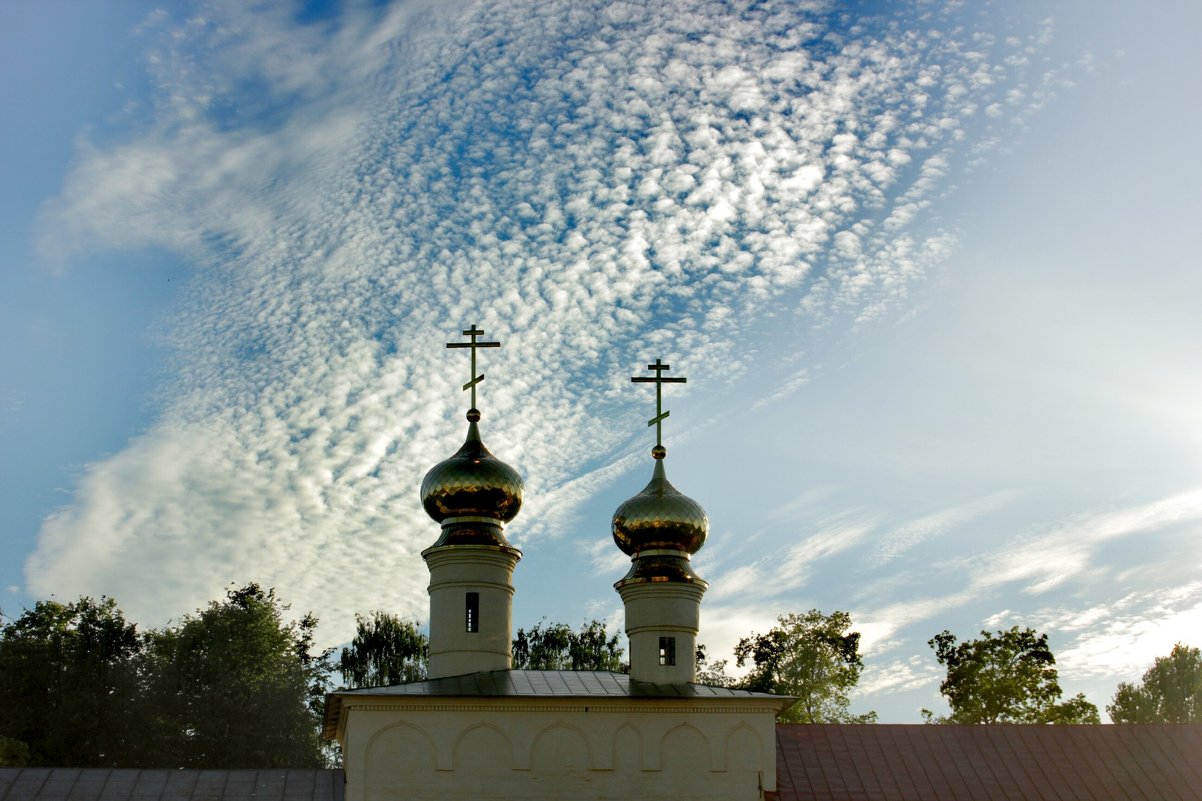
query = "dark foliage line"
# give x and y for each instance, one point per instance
(238, 684)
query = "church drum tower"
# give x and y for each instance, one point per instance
(660, 528)
(472, 495)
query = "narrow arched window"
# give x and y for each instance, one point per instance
(472, 612)
(667, 650)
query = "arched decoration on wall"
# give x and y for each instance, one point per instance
(396, 753)
(628, 754)
(744, 750)
(481, 744)
(560, 748)
(684, 749)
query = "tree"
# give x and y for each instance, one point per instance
(555, 646)
(813, 657)
(386, 650)
(234, 686)
(13, 753)
(712, 674)
(1171, 691)
(67, 682)
(1004, 677)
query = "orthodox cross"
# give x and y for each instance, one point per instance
(473, 332)
(659, 379)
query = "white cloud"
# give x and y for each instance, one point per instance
(910, 533)
(1125, 636)
(1046, 560)
(589, 192)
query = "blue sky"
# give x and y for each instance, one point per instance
(930, 270)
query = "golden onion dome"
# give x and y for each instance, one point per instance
(660, 517)
(472, 483)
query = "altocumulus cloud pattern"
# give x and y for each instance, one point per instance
(590, 182)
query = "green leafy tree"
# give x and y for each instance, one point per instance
(386, 650)
(67, 682)
(234, 686)
(1171, 691)
(556, 646)
(13, 753)
(710, 673)
(814, 657)
(1004, 677)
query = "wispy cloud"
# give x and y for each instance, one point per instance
(586, 182)
(1044, 560)
(910, 533)
(1124, 636)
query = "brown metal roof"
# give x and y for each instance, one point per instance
(119, 784)
(876, 762)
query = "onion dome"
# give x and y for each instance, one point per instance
(660, 528)
(660, 517)
(472, 493)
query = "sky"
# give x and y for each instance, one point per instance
(930, 270)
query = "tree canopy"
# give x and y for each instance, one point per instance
(231, 686)
(386, 650)
(1004, 677)
(711, 673)
(814, 657)
(237, 687)
(1171, 691)
(556, 646)
(67, 678)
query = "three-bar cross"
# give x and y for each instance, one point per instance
(659, 379)
(473, 332)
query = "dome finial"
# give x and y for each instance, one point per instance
(473, 332)
(660, 527)
(659, 451)
(473, 493)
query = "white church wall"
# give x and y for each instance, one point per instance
(532, 748)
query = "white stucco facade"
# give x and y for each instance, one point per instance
(659, 612)
(483, 573)
(412, 747)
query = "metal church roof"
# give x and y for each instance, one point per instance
(542, 683)
(121, 784)
(537, 684)
(1146, 762)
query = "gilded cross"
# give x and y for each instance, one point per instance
(659, 379)
(473, 332)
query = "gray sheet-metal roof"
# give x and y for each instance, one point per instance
(536, 684)
(543, 683)
(831, 762)
(121, 784)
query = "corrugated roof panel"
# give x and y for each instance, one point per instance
(104, 784)
(23, 784)
(180, 784)
(989, 763)
(58, 784)
(549, 683)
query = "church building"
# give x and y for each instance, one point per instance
(478, 729)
